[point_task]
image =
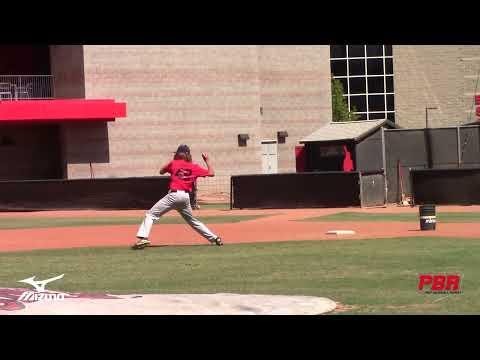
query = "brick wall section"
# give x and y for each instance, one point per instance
(295, 95)
(434, 76)
(203, 96)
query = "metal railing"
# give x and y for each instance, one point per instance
(23, 87)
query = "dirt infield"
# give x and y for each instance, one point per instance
(280, 225)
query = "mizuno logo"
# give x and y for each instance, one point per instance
(40, 285)
(40, 293)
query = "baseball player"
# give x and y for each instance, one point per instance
(183, 173)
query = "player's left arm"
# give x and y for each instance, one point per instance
(166, 169)
(211, 172)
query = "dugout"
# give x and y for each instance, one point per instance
(352, 146)
(330, 147)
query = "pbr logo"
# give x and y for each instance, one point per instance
(439, 283)
(40, 293)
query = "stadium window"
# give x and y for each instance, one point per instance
(366, 73)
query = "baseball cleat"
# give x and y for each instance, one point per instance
(218, 241)
(141, 244)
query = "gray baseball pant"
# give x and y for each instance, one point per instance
(180, 201)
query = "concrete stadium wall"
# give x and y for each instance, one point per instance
(442, 76)
(295, 95)
(203, 96)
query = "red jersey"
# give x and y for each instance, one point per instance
(183, 174)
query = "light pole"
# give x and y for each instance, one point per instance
(426, 114)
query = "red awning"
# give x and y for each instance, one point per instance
(61, 110)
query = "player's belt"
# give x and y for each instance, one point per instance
(180, 191)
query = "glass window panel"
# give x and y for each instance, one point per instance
(358, 103)
(356, 67)
(375, 66)
(344, 85)
(356, 50)
(376, 102)
(388, 50)
(376, 116)
(362, 116)
(391, 116)
(357, 85)
(389, 80)
(339, 67)
(338, 51)
(374, 50)
(375, 84)
(388, 66)
(390, 103)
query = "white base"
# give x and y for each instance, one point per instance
(341, 232)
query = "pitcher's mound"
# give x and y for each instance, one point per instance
(174, 304)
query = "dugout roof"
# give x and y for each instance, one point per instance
(349, 130)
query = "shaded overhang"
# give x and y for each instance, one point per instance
(61, 110)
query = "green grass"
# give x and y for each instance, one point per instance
(374, 276)
(29, 223)
(467, 217)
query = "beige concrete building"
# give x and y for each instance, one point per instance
(445, 77)
(206, 96)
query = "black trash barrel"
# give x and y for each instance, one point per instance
(428, 218)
